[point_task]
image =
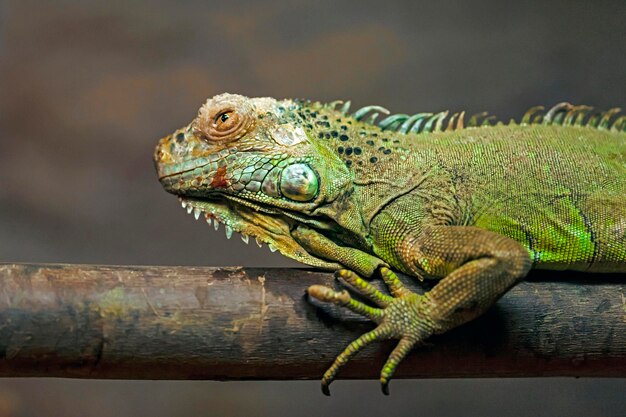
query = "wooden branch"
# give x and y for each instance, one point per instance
(246, 323)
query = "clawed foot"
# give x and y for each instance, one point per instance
(399, 317)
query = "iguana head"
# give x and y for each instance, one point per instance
(253, 165)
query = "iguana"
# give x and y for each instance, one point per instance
(475, 205)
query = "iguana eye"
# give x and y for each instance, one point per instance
(223, 120)
(226, 122)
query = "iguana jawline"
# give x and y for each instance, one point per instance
(272, 228)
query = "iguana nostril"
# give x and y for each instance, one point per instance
(180, 137)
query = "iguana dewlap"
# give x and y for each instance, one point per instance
(473, 204)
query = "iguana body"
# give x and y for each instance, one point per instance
(474, 206)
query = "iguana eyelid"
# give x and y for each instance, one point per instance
(219, 119)
(240, 120)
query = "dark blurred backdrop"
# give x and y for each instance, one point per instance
(87, 87)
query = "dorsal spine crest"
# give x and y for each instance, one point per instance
(561, 114)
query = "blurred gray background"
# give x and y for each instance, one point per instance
(87, 88)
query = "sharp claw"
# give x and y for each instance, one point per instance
(384, 385)
(341, 274)
(404, 304)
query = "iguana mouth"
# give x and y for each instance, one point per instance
(216, 211)
(269, 227)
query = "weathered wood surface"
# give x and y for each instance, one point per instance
(245, 323)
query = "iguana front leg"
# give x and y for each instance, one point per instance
(324, 248)
(477, 267)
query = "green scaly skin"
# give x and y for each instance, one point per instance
(474, 205)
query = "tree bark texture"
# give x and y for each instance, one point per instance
(157, 322)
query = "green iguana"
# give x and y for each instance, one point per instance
(473, 204)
